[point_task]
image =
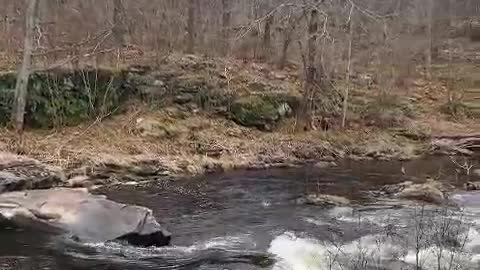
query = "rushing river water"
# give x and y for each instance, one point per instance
(249, 220)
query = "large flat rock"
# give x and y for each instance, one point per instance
(83, 216)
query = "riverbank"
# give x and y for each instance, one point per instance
(201, 144)
(196, 115)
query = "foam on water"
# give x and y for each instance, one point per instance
(295, 253)
(318, 222)
(171, 256)
(347, 214)
(229, 243)
(430, 258)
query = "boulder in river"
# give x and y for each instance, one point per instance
(83, 216)
(472, 186)
(19, 173)
(431, 191)
(466, 199)
(423, 192)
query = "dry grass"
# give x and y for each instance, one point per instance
(115, 141)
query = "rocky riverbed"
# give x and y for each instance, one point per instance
(354, 214)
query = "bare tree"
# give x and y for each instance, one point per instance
(349, 64)
(191, 26)
(288, 31)
(267, 35)
(119, 23)
(411, 30)
(226, 19)
(21, 88)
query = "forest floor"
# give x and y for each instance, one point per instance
(379, 127)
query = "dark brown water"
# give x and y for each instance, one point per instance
(246, 220)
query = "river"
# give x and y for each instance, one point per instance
(249, 220)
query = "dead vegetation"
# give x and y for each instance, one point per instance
(193, 145)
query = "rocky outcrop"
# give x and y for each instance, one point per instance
(430, 191)
(83, 216)
(112, 171)
(19, 173)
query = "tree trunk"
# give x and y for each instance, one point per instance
(286, 44)
(120, 30)
(349, 64)
(304, 120)
(191, 27)
(267, 37)
(451, 12)
(451, 79)
(256, 32)
(21, 88)
(8, 23)
(428, 52)
(226, 18)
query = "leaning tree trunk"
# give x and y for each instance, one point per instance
(21, 91)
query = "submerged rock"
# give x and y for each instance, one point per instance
(323, 200)
(86, 217)
(20, 173)
(324, 164)
(79, 181)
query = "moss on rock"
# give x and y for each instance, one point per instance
(260, 112)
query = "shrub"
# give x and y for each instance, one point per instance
(388, 110)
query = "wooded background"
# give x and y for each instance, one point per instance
(384, 41)
(252, 29)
